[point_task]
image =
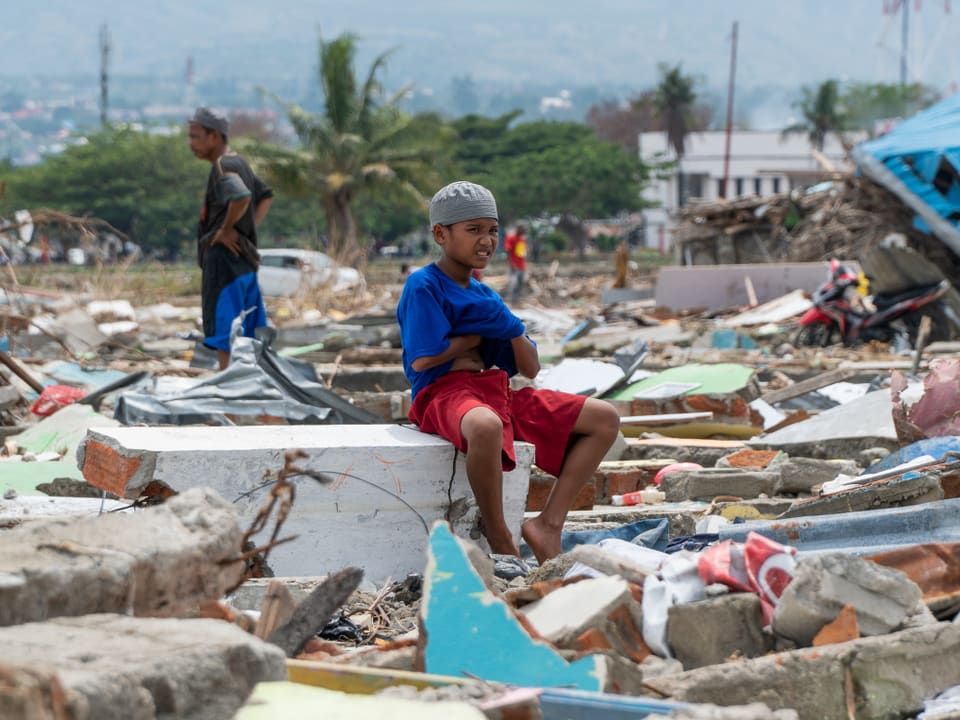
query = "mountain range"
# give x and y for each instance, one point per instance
(503, 44)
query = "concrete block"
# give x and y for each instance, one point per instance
(822, 585)
(705, 452)
(568, 612)
(154, 562)
(800, 475)
(885, 677)
(711, 631)
(709, 483)
(467, 630)
(114, 667)
(382, 486)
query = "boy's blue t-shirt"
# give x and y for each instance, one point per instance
(433, 308)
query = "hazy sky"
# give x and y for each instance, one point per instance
(784, 42)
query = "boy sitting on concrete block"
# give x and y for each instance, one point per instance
(461, 345)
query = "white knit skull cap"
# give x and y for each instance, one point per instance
(462, 200)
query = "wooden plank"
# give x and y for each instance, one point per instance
(20, 372)
(815, 383)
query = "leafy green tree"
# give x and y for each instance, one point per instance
(822, 112)
(549, 169)
(866, 103)
(360, 143)
(146, 186)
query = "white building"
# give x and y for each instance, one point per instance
(761, 163)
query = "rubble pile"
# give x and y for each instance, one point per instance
(844, 217)
(776, 533)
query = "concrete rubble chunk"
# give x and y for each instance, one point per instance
(883, 677)
(839, 432)
(822, 585)
(712, 631)
(709, 483)
(569, 611)
(365, 497)
(154, 562)
(114, 667)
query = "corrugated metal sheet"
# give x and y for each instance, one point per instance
(860, 533)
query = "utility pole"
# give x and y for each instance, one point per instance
(104, 62)
(733, 75)
(188, 77)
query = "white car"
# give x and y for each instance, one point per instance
(284, 271)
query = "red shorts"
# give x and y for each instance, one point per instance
(544, 418)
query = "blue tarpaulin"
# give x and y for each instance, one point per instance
(919, 161)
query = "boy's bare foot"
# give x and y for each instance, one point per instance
(543, 541)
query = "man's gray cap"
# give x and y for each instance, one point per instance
(205, 117)
(461, 201)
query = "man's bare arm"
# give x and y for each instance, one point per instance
(261, 208)
(226, 234)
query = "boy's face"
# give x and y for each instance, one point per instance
(470, 243)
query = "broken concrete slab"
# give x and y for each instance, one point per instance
(712, 631)
(467, 630)
(802, 474)
(908, 489)
(822, 585)
(566, 613)
(839, 432)
(114, 667)
(379, 486)
(708, 483)
(706, 452)
(24, 509)
(158, 561)
(874, 678)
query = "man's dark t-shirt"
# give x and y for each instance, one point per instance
(223, 188)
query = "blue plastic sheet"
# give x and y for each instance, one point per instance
(649, 533)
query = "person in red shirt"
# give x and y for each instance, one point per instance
(515, 246)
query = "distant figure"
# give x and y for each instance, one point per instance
(477, 274)
(236, 201)
(516, 248)
(461, 344)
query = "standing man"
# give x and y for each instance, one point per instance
(515, 246)
(236, 201)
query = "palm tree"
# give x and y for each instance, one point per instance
(822, 113)
(359, 142)
(674, 100)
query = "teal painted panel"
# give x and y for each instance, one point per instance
(471, 632)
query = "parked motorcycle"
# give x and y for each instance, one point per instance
(839, 314)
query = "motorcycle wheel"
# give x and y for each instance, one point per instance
(816, 335)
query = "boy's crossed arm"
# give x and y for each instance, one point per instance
(459, 345)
